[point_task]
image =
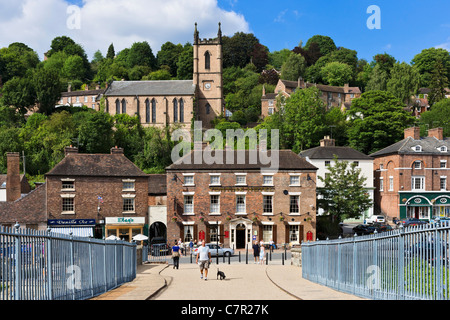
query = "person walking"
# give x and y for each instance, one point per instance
(203, 259)
(176, 255)
(262, 252)
(256, 251)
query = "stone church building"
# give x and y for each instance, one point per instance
(167, 102)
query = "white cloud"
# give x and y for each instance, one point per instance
(121, 22)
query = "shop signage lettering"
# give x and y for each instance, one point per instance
(247, 188)
(71, 222)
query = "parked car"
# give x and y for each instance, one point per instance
(214, 249)
(382, 227)
(375, 218)
(363, 229)
(411, 222)
(440, 220)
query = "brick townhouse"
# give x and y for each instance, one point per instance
(331, 96)
(411, 176)
(237, 203)
(102, 192)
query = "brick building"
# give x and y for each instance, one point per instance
(162, 103)
(332, 96)
(411, 176)
(86, 97)
(102, 192)
(237, 203)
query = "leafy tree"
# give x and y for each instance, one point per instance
(185, 66)
(168, 55)
(73, 68)
(16, 61)
(111, 52)
(129, 134)
(95, 134)
(293, 68)
(378, 79)
(303, 119)
(237, 50)
(404, 82)
(336, 126)
(19, 93)
(337, 73)
(343, 195)
(162, 74)
(438, 83)
(277, 58)
(438, 116)
(260, 56)
(326, 44)
(141, 54)
(425, 62)
(385, 61)
(47, 87)
(312, 54)
(369, 115)
(10, 141)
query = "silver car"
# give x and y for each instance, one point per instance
(215, 250)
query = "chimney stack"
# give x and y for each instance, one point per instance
(438, 133)
(116, 150)
(69, 150)
(69, 88)
(413, 132)
(327, 142)
(13, 190)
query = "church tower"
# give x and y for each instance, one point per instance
(208, 80)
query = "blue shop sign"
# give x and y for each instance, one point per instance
(71, 222)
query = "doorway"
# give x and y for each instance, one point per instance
(240, 236)
(157, 230)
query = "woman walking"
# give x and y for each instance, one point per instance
(176, 255)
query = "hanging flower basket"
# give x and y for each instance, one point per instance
(174, 219)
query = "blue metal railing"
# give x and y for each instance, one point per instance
(39, 265)
(405, 263)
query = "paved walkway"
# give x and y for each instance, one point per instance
(245, 281)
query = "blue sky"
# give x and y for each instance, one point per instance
(407, 27)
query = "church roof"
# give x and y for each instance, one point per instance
(151, 88)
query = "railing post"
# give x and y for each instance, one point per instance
(49, 266)
(354, 263)
(401, 264)
(104, 265)
(72, 260)
(91, 270)
(18, 264)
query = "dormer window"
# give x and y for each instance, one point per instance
(417, 148)
(443, 149)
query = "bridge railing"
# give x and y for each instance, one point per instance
(405, 263)
(42, 265)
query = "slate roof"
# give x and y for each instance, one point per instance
(29, 209)
(151, 88)
(288, 160)
(429, 145)
(322, 87)
(82, 93)
(343, 153)
(104, 165)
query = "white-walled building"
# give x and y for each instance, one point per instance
(323, 156)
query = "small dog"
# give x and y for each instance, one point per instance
(220, 274)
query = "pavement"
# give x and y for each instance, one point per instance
(243, 282)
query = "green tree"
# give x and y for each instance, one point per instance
(293, 68)
(337, 73)
(425, 62)
(277, 58)
(20, 93)
(237, 50)
(185, 67)
(343, 194)
(47, 87)
(438, 83)
(16, 60)
(128, 132)
(141, 54)
(95, 134)
(438, 116)
(168, 55)
(378, 79)
(111, 52)
(303, 119)
(377, 120)
(73, 68)
(404, 82)
(326, 44)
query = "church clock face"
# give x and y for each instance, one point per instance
(207, 85)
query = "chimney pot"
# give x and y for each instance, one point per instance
(116, 150)
(327, 142)
(70, 149)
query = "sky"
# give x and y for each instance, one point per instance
(404, 28)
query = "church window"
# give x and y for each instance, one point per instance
(175, 110)
(207, 60)
(181, 110)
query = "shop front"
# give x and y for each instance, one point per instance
(425, 206)
(74, 227)
(125, 228)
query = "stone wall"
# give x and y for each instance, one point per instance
(296, 256)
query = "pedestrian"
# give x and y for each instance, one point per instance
(256, 251)
(261, 252)
(203, 259)
(191, 246)
(176, 255)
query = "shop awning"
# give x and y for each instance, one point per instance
(76, 231)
